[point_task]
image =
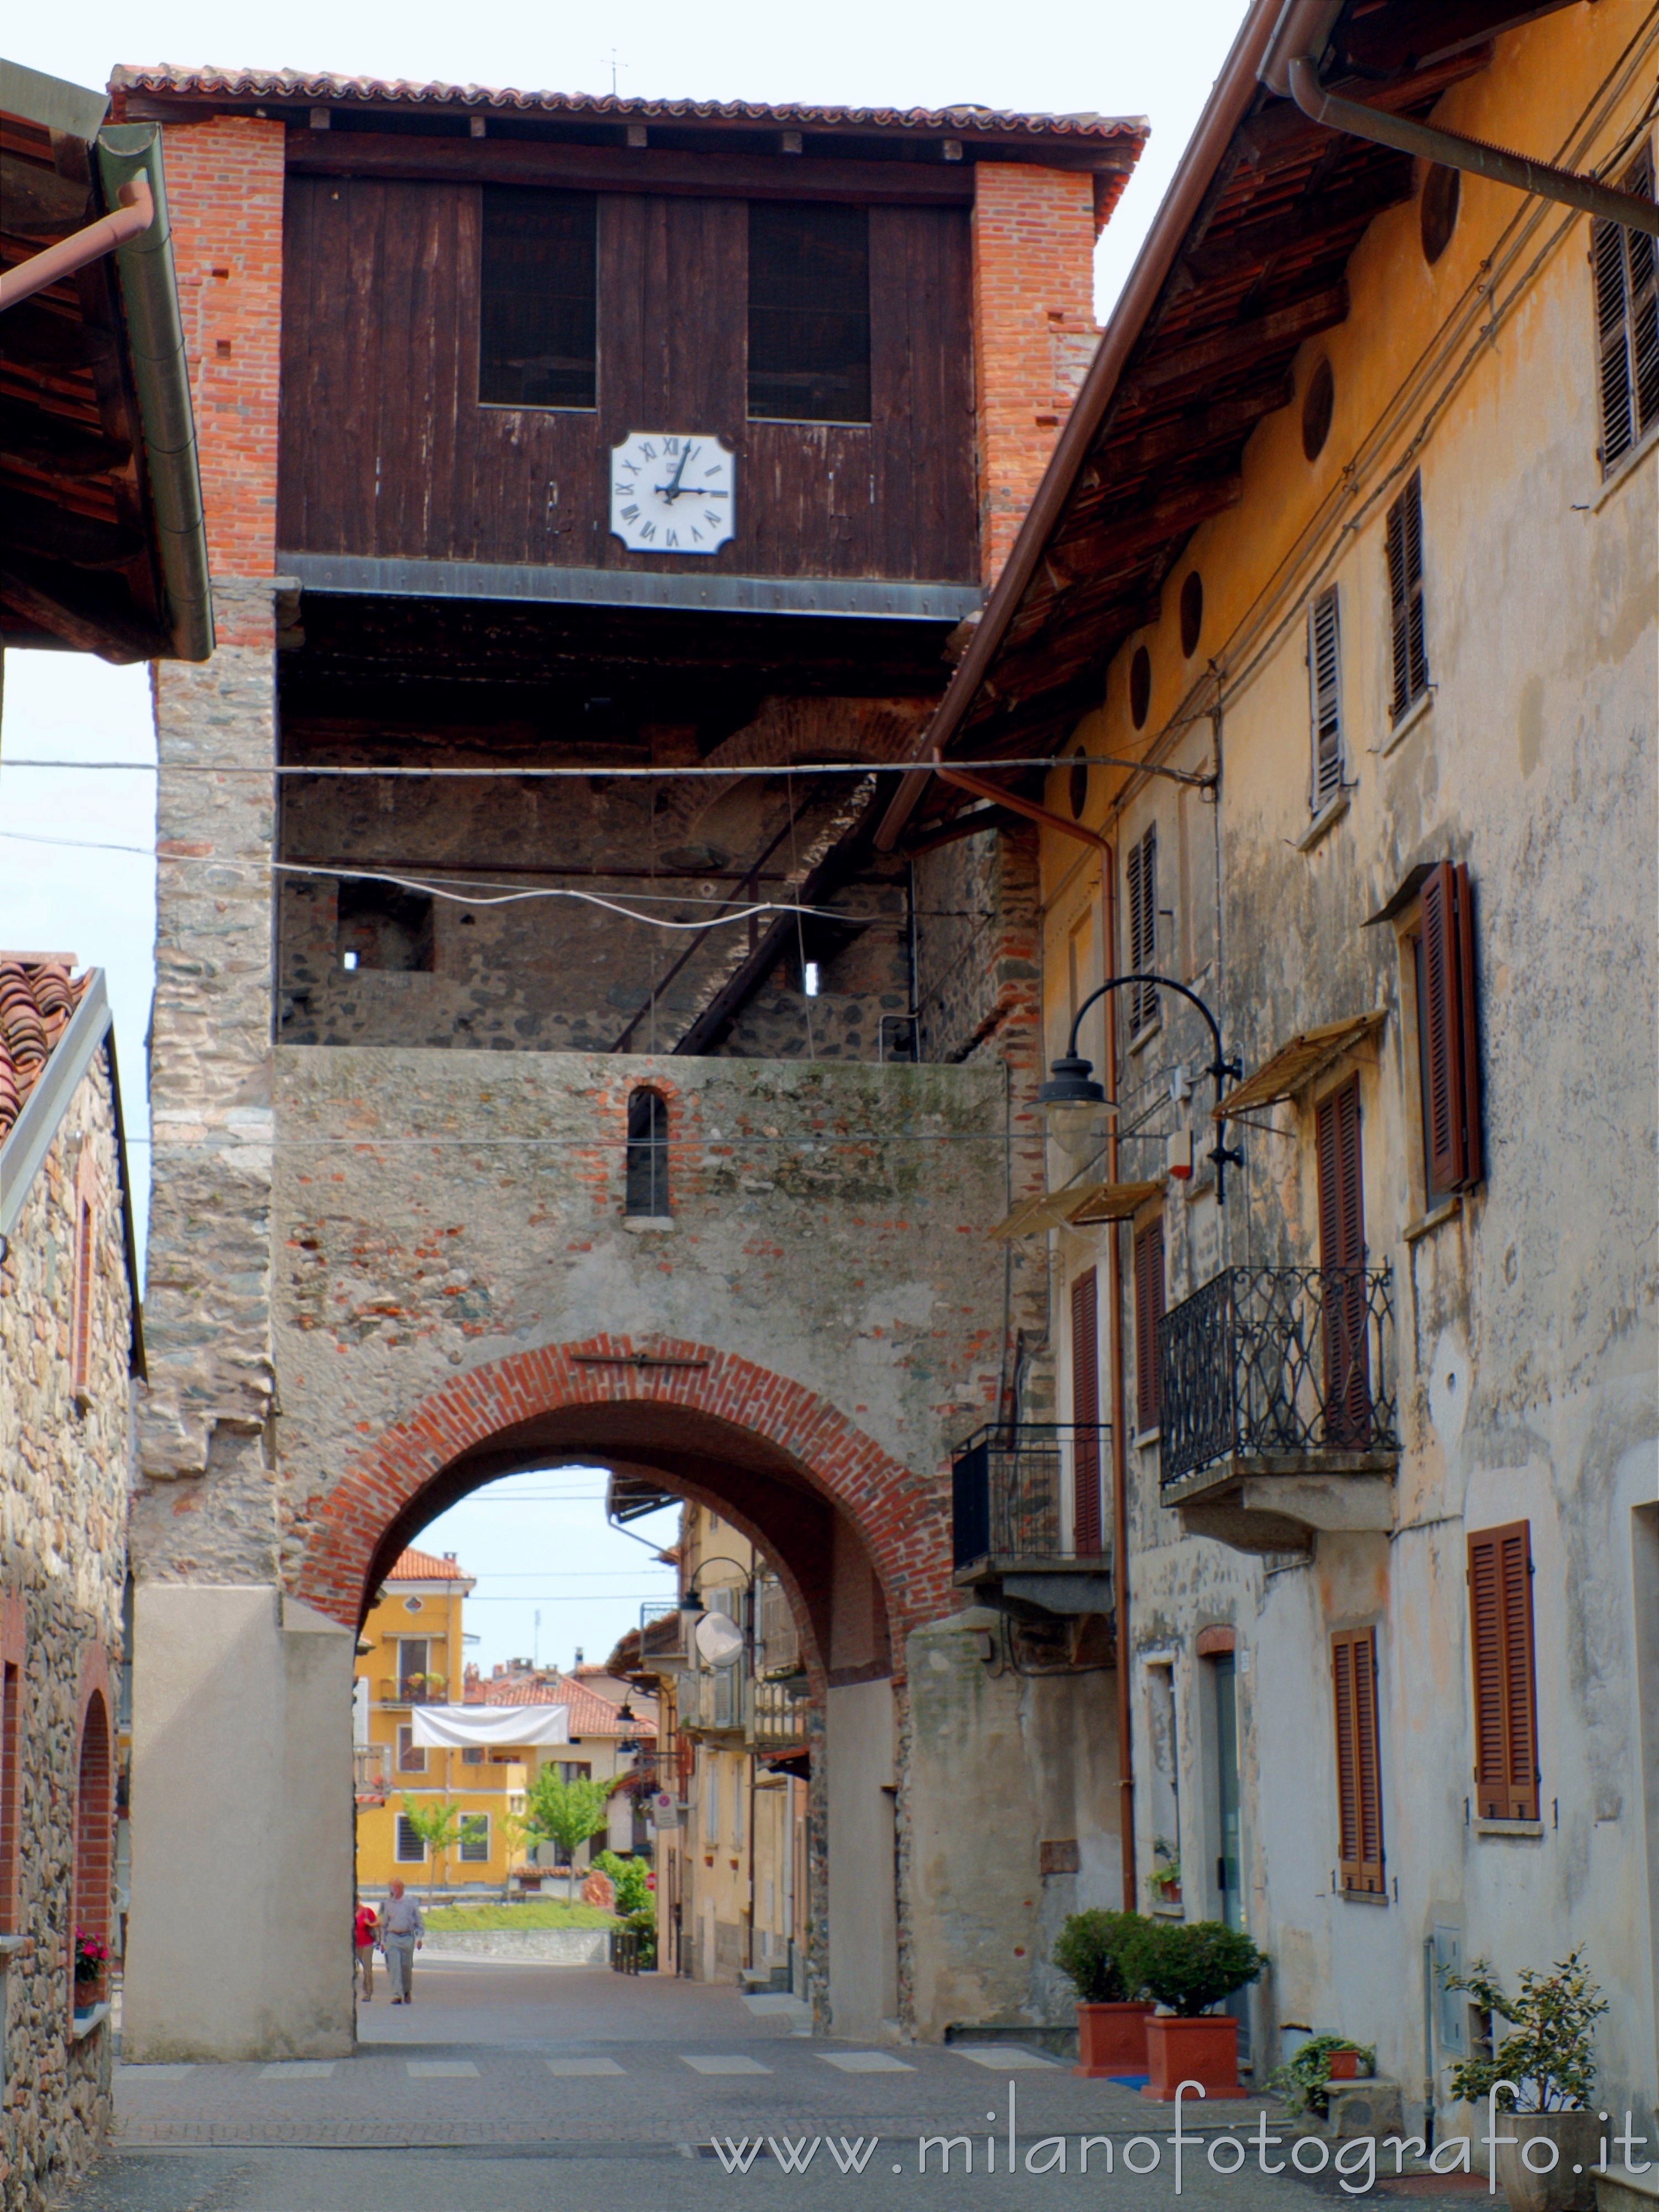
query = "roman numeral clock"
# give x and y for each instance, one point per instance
(672, 492)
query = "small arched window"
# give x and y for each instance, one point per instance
(647, 1198)
(95, 1839)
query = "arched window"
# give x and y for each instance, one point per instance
(95, 1834)
(647, 1156)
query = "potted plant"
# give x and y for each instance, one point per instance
(91, 1963)
(1303, 2082)
(1549, 2057)
(1102, 1954)
(1164, 1878)
(1190, 1966)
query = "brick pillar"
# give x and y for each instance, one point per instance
(208, 1307)
(1034, 331)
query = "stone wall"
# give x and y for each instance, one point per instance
(62, 1556)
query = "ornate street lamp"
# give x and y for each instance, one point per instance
(1077, 1108)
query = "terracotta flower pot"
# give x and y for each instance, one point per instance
(1204, 2050)
(1111, 2039)
(1568, 2184)
(1344, 2065)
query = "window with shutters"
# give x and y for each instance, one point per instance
(1087, 1517)
(1149, 1311)
(1626, 324)
(1143, 930)
(538, 325)
(1448, 1035)
(1359, 1775)
(1506, 1778)
(1404, 539)
(409, 1850)
(1325, 700)
(1342, 1269)
(809, 313)
(475, 1838)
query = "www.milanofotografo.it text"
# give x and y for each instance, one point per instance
(1356, 2160)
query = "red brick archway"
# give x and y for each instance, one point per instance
(897, 1514)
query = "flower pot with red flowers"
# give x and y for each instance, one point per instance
(91, 1965)
(1188, 1967)
(1101, 1955)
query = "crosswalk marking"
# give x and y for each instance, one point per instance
(585, 2069)
(864, 2062)
(297, 2070)
(701, 2065)
(441, 2069)
(135, 2073)
(1003, 2058)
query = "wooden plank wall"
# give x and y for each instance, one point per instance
(384, 450)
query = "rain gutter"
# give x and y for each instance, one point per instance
(128, 153)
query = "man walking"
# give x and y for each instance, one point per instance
(401, 1930)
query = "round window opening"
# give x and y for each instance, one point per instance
(1442, 189)
(1192, 613)
(1141, 687)
(1317, 401)
(1079, 792)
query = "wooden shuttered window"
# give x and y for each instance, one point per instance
(538, 295)
(1149, 1311)
(1086, 1516)
(1325, 699)
(1143, 929)
(1342, 1265)
(1626, 324)
(1359, 1770)
(1448, 1038)
(1405, 548)
(1506, 1690)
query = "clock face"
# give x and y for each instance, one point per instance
(672, 492)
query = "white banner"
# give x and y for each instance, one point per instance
(454, 1728)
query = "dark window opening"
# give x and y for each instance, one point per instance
(647, 1156)
(410, 1850)
(1088, 1514)
(809, 313)
(1143, 930)
(1318, 403)
(538, 325)
(1342, 1265)
(1149, 1311)
(1141, 687)
(475, 1838)
(1626, 324)
(1404, 547)
(1442, 189)
(1192, 613)
(383, 926)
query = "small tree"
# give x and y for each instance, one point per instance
(514, 1827)
(1550, 2054)
(437, 1826)
(564, 1813)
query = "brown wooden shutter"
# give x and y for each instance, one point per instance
(1342, 1265)
(1358, 1772)
(1325, 699)
(1403, 542)
(1626, 324)
(1149, 1311)
(1505, 1691)
(1086, 1518)
(1450, 1038)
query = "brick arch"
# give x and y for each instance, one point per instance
(333, 1538)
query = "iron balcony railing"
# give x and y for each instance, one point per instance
(1031, 1490)
(1278, 1364)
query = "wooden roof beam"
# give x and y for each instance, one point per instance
(1228, 350)
(1111, 545)
(1253, 246)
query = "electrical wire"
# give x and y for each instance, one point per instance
(592, 773)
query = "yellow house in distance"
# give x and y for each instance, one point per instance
(410, 1655)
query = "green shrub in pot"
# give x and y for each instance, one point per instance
(1550, 2053)
(1191, 1964)
(1103, 1955)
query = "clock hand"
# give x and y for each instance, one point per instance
(670, 492)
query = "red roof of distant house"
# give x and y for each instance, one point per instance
(590, 1713)
(37, 997)
(413, 1566)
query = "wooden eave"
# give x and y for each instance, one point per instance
(1078, 1206)
(1299, 1063)
(1259, 272)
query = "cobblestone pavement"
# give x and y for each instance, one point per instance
(507, 2087)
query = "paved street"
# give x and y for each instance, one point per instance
(507, 2086)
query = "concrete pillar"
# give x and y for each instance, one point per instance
(242, 1828)
(863, 1897)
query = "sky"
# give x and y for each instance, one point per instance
(75, 870)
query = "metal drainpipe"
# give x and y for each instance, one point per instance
(1107, 851)
(81, 248)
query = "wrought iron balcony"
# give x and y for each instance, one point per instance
(1277, 1405)
(414, 1690)
(1029, 1515)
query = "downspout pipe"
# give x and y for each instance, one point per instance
(133, 216)
(128, 152)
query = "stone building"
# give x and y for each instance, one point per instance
(546, 1068)
(69, 1344)
(1346, 580)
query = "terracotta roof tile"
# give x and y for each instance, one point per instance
(590, 1714)
(425, 1567)
(37, 998)
(967, 121)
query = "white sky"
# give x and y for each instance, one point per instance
(1118, 56)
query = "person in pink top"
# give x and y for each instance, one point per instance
(365, 1933)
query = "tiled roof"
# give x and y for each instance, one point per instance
(967, 121)
(425, 1567)
(37, 997)
(590, 1714)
